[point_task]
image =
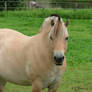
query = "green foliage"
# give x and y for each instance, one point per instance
(71, 3)
(70, 0)
(36, 13)
(10, 4)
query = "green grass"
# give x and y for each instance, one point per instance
(78, 76)
(42, 13)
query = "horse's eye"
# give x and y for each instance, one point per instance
(66, 38)
(52, 22)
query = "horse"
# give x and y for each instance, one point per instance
(38, 61)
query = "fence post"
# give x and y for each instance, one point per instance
(76, 6)
(5, 4)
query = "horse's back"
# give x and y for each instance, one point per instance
(9, 36)
(9, 32)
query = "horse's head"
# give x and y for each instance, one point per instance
(58, 36)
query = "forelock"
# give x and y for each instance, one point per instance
(52, 16)
(55, 15)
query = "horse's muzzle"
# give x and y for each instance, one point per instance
(58, 60)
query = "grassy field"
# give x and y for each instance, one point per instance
(42, 13)
(78, 76)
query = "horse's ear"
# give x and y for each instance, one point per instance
(67, 23)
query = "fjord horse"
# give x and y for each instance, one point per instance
(38, 60)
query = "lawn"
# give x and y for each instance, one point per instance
(78, 75)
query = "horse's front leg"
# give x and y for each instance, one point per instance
(36, 86)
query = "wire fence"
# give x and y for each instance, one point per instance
(26, 5)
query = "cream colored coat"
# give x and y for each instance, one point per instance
(24, 59)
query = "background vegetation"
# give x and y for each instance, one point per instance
(11, 4)
(72, 3)
(23, 4)
(42, 13)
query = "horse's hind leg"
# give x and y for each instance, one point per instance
(2, 85)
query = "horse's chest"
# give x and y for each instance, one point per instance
(52, 78)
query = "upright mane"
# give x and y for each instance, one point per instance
(52, 15)
(56, 15)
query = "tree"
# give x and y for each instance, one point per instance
(10, 4)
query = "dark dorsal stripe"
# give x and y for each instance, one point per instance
(55, 16)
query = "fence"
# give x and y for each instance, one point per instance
(16, 5)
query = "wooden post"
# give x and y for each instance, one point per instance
(5, 5)
(76, 6)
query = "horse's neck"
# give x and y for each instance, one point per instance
(46, 43)
(43, 44)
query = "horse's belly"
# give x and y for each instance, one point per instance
(14, 77)
(12, 64)
(12, 72)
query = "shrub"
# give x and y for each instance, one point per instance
(10, 4)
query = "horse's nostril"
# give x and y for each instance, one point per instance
(63, 58)
(59, 59)
(55, 58)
